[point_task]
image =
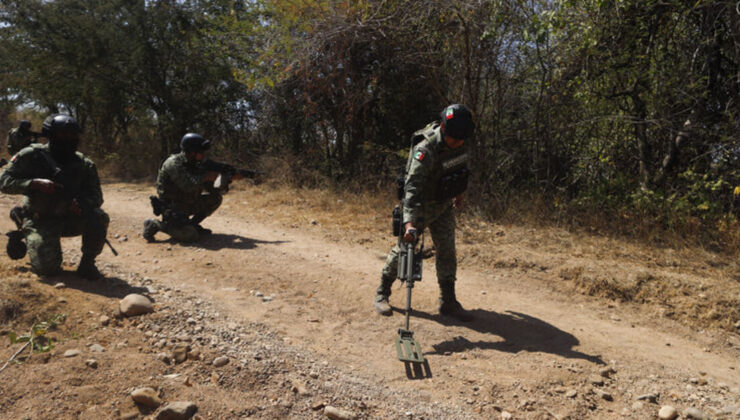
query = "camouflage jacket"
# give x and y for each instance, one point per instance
(79, 177)
(430, 161)
(18, 140)
(180, 182)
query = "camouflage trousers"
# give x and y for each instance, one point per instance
(182, 227)
(43, 238)
(441, 225)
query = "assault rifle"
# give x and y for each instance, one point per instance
(228, 173)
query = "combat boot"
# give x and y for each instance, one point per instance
(450, 307)
(381, 298)
(87, 270)
(195, 221)
(150, 229)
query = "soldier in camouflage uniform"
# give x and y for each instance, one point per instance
(436, 177)
(62, 198)
(181, 183)
(20, 137)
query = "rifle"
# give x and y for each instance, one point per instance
(228, 173)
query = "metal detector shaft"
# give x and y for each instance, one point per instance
(409, 279)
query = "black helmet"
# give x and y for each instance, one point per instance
(57, 124)
(24, 125)
(457, 121)
(194, 142)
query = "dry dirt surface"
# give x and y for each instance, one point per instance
(567, 326)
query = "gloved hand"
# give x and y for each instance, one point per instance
(45, 186)
(410, 234)
(75, 207)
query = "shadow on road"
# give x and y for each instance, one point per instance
(219, 241)
(109, 286)
(518, 332)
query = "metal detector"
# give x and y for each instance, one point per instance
(409, 271)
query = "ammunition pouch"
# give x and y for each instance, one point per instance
(16, 248)
(397, 219)
(452, 184)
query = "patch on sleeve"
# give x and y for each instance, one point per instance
(419, 155)
(449, 113)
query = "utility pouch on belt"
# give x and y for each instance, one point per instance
(397, 215)
(453, 184)
(157, 205)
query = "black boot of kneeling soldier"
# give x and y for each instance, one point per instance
(450, 307)
(87, 269)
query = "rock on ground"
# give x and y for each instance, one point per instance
(146, 396)
(667, 413)
(179, 410)
(337, 414)
(134, 304)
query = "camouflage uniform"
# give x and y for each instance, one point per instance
(429, 162)
(17, 140)
(181, 186)
(46, 217)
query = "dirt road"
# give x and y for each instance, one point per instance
(532, 351)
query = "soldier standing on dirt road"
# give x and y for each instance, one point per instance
(436, 178)
(181, 183)
(62, 198)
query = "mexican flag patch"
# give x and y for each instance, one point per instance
(419, 155)
(450, 113)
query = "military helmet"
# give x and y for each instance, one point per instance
(24, 125)
(194, 142)
(457, 121)
(57, 124)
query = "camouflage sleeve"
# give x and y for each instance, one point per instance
(91, 195)
(16, 178)
(183, 179)
(416, 179)
(9, 144)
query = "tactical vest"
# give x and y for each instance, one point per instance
(451, 166)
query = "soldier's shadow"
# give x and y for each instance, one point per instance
(109, 286)
(219, 241)
(517, 332)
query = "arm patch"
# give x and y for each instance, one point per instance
(419, 155)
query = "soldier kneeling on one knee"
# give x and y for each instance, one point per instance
(185, 193)
(62, 198)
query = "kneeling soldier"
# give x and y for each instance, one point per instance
(62, 198)
(185, 193)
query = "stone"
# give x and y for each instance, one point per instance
(652, 397)
(337, 414)
(72, 353)
(60, 285)
(91, 363)
(607, 372)
(146, 396)
(179, 410)
(220, 361)
(637, 405)
(194, 354)
(505, 415)
(596, 380)
(299, 388)
(97, 348)
(667, 413)
(163, 357)
(695, 414)
(135, 304)
(603, 395)
(571, 394)
(104, 320)
(180, 353)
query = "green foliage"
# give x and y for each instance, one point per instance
(37, 335)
